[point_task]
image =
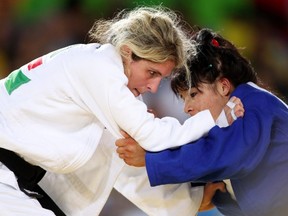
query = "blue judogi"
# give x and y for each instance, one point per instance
(252, 153)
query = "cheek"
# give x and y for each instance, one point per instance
(136, 81)
(215, 108)
(204, 103)
(210, 104)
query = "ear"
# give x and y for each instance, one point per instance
(126, 52)
(224, 87)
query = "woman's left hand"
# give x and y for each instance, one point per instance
(209, 192)
(234, 109)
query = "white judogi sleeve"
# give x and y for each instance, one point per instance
(105, 92)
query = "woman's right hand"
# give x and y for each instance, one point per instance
(130, 151)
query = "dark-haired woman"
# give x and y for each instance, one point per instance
(252, 152)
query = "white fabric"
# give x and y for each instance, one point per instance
(230, 104)
(222, 120)
(56, 119)
(85, 192)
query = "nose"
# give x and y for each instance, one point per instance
(187, 108)
(153, 85)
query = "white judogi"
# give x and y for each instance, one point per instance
(54, 109)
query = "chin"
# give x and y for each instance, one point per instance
(135, 92)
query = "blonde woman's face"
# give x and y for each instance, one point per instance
(145, 76)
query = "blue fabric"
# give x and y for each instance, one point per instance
(226, 205)
(252, 152)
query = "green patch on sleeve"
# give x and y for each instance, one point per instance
(14, 80)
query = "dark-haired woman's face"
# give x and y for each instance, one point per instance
(207, 96)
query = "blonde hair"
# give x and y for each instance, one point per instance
(156, 34)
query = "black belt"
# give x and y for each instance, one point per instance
(28, 177)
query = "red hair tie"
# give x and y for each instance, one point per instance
(215, 42)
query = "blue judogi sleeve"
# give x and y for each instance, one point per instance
(226, 153)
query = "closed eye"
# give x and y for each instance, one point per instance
(182, 97)
(193, 94)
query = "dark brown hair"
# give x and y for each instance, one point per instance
(215, 57)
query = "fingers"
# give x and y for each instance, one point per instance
(125, 147)
(214, 186)
(238, 111)
(124, 156)
(124, 134)
(236, 100)
(152, 112)
(220, 186)
(125, 150)
(131, 159)
(234, 109)
(130, 162)
(124, 141)
(122, 153)
(120, 142)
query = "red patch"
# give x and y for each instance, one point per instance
(35, 63)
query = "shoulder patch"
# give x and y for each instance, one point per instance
(14, 80)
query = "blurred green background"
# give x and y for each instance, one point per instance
(30, 28)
